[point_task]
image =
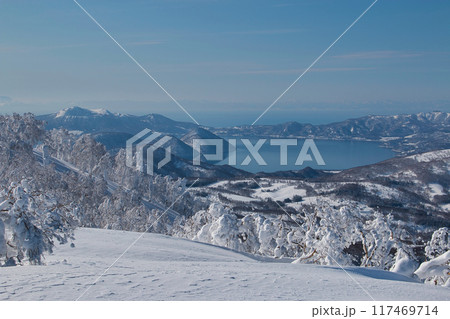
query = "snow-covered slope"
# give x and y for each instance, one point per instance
(165, 268)
(431, 156)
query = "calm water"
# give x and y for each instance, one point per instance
(337, 155)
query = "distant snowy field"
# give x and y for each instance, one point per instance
(164, 268)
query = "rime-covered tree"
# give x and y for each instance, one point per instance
(437, 269)
(438, 244)
(18, 134)
(31, 223)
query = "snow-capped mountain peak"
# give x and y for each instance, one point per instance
(102, 120)
(76, 111)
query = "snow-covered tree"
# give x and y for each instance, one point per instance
(439, 243)
(404, 263)
(437, 269)
(378, 241)
(87, 153)
(18, 134)
(253, 233)
(328, 232)
(60, 143)
(31, 223)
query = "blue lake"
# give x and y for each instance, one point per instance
(337, 155)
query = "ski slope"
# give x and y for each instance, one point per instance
(164, 268)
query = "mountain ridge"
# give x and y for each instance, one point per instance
(101, 120)
(405, 133)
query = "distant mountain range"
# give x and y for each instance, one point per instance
(405, 134)
(101, 121)
(372, 127)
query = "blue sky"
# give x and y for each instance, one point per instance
(227, 61)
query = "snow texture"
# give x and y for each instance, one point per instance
(164, 268)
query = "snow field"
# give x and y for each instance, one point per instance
(164, 268)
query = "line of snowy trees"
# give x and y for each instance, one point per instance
(325, 235)
(320, 235)
(92, 158)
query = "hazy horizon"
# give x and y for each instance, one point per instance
(245, 118)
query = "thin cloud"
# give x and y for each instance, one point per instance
(374, 55)
(4, 100)
(298, 71)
